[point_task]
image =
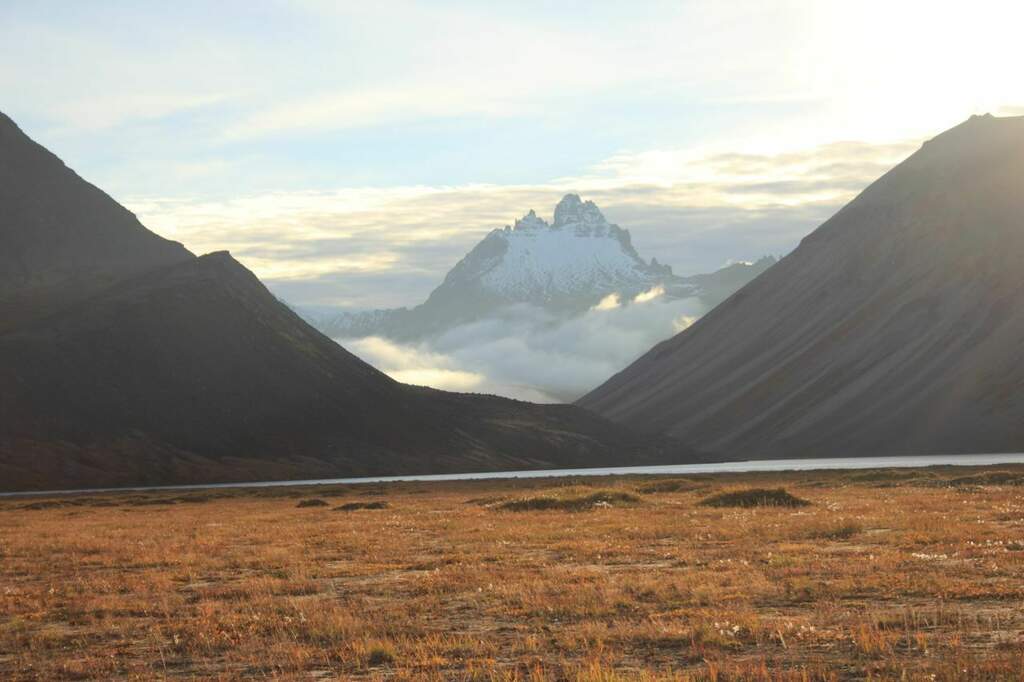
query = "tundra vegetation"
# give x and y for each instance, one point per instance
(881, 574)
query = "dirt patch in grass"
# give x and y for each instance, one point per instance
(571, 502)
(355, 506)
(755, 497)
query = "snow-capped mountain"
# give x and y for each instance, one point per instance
(571, 263)
(566, 267)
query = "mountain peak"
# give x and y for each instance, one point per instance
(62, 235)
(569, 264)
(530, 221)
(979, 135)
(571, 209)
(8, 124)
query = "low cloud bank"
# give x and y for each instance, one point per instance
(528, 353)
(382, 247)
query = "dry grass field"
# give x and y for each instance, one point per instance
(883, 575)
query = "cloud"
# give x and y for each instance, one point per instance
(376, 247)
(412, 365)
(442, 61)
(78, 83)
(649, 295)
(397, 61)
(369, 107)
(395, 92)
(92, 115)
(355, 165)
(609, 302)
(527, 353)
(683, 322)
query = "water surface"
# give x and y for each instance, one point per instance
(712, 468)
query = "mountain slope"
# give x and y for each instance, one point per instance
(176, 369)
(198, 363)
(896, 327)
(565, 267)
(62, 238)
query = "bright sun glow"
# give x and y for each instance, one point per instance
(893, 70)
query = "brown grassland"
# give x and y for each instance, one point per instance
(884, 575)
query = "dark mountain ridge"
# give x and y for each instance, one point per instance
(149, 366)
(63, 238)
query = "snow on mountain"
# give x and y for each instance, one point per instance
(578, 258)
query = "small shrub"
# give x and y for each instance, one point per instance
(354, 506)
(311, 503)
(373, 652)
(598, 498)
(754, 497)
(380, 655)
(888, 476)
(669, 485)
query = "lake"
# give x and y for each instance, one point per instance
(712, 468)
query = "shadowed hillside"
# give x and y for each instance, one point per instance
(62, 238)
(169, 368)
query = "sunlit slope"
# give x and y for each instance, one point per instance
(896, 327)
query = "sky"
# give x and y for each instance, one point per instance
(350, 153)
